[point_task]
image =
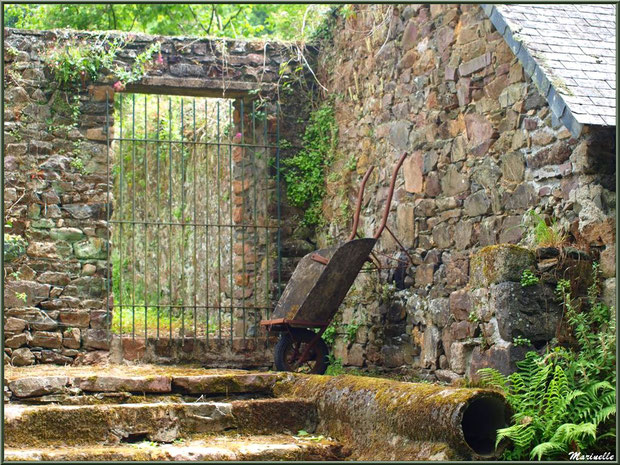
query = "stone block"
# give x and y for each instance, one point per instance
(77, 318)
(412, 172)
(22, 357)
(154, 384)
(499, 263)
(476, 64)
(454, 182)
(71, 338)
(513, 166)
(460, 304)
(459, 357)
(531, 312)
(430, 347)
(502, 358)
(38, 386)
(17, 340)
(24, 293)
(46, 339)
(96, 339)
(14, 325)
(477, 204)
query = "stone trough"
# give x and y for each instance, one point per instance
(200, 414)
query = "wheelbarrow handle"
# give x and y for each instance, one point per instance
(386, 212)
(358, 208)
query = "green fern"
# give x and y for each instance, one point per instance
(564, 400)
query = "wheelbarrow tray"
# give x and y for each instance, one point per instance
(315, 291)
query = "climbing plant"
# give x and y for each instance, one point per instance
(305, 172)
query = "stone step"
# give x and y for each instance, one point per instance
(31, 388)
(50, 425)
(217, 448)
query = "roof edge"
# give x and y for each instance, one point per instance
(538, 75)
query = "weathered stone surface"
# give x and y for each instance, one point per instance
(22, 357)
(95, 339)
(523, 197)
(93, 247)
(66, 234)
(412, 172)
(530, 312)
(55, 278)
(46, 339)
(475, 64)
(430, 347)
(39, 386)
(14, 325)
(459, 357)
(501, 358)
(460, 304)
(78, 318)
(424, 275)
(24, 293)
(608, 261)
(454, 182)
(479, 129)
(513, 166)
(556, 154)
(223, 384)
(16, 341)
(439, 311)
(155, 384)
(71, 338)
(496, 264)
(399, 134)
(477, 204)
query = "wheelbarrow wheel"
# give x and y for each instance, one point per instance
(290, 348)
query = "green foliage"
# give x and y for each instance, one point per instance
(21, 296)
(335, 366)
(528, 278)
(304, 173)
(14, 247)
(351, 332)
(564, 400)
(78, 165)
(329, 335)
(79, 61)
(473, 317)
(521, 341)
(542, 234)
(293, 21)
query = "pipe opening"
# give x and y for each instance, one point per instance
(481, 420)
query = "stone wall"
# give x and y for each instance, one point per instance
(58, 184)
(439, 82)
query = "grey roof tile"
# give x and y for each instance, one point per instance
(571, 46)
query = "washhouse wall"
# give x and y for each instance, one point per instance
(439, 82)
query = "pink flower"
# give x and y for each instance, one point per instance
(159, 60)
(118, 86)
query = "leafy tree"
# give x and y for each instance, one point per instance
(282, 21)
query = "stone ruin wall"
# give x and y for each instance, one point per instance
(439, 82)
(443, 86)
(57, 207)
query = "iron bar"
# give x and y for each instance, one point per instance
(279, 201)
(108, 267)
(195, 188)
(182, 261)
(158, 219)
(183, 142)
(121, 262)
(219, 233)
(232, 232)
(255, 237)
(242, 163)
(207, 286)
(133, 216)
(145, 229)
(170, 293)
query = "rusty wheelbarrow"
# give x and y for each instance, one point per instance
(316, 289)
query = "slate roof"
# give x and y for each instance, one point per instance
(569, 51)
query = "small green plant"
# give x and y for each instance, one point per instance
(329, 336)
(473, 317)
(304, 173)
(544, 235)
(334, 367)
(351, 332)
(521, 341)
(21, 296)
(528, 278)
(351, 163)
(15, 274)
(78, 165)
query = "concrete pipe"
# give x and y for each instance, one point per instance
(381, 419)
